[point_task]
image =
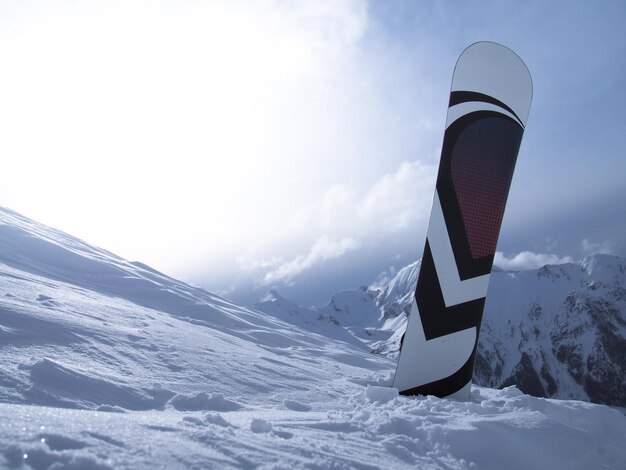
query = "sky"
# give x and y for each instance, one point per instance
(293, 145)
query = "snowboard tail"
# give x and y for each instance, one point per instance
(489, 104)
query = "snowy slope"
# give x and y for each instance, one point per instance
(76, 320)
(109, 364)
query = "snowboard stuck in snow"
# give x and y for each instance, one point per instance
(489, 104)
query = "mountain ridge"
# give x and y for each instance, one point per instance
(555, 331)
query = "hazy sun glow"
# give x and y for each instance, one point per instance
(144, 126)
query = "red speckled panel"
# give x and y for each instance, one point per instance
(482, 163)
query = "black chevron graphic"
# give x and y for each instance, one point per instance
(437, 320)
(458, 97)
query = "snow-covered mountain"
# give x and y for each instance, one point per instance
(558, 331)
(352, 316)
(109, 364)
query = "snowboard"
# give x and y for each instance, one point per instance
(489, 104)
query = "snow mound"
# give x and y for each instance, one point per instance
(203, 401)
(258, 426)
(209, 418)
(380, 394)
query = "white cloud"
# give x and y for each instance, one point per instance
(397, 203)
(338, 205)
(322, 250)
(249, 264)
(384, 278)
(528, 260)
(400, 198)
(390, 204)
(591, 248)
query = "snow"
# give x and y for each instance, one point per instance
(380, 394)
(496, 429)
(108, 364)
(203, 401)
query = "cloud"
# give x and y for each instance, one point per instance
(528, 260)
(249, 264)
(390, 204)
(591, 248)
(322, 250)
(383, 278)
(347, 217)
(398, 199)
